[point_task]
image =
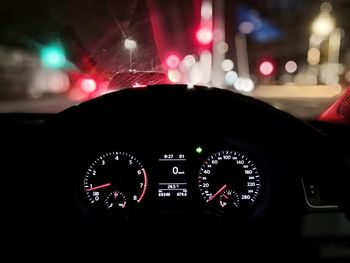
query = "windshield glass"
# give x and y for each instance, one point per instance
(292, 54)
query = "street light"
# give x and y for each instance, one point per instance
(131, 45)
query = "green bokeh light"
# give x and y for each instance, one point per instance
(53, 56)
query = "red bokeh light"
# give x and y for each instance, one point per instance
(172, 61)
(266, 68)
(88, 85)
(204, 36)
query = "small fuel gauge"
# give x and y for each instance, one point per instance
(115, 200)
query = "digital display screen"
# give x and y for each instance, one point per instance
(172, 182)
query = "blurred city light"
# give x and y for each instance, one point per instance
(130, 44)
(291, 66)
(323, 25)
(207, 10)
(260, 29)
(205, 57)
(88, 85)
(329, 73)
(231, 77)
(196, 74)
(326, 7)
(49, 81)
(227, 65)
(246, 27)
(174, 75)
(222, 47)
(218, 34)
(206, 66)
(77, 94)
(204, 35)
(334, 46)
(266, 68)
(315, 41)
(313, 56)
(184, 66)
(172, 61)
(242, 55)
(190, 59)
(244, 85)
(58, 82)
(53, 56)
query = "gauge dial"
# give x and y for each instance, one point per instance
(115, 200)
(229, 178)
(229, 199)
(115, 172)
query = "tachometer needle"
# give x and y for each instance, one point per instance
(98, 187)
(217, 193)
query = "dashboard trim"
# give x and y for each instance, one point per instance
(321, 207)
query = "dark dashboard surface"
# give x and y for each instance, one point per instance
(199, 162)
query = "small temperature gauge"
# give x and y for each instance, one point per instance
(229, 198)
(115, 201)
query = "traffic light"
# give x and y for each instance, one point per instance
(53, 56)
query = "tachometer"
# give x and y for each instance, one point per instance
(229, 179)
(115, 180)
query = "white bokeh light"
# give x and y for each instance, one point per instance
(227, 65)
(231, 77)
(222, 47)
(291, 66)
(244, 84)
(190, 59)
(184, 66)
(246, 27)
(174, 75)
(207, 10)
(130, 44)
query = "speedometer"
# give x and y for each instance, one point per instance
(229, 179)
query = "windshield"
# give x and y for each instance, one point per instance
(293, 54)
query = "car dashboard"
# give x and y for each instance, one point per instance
(197, 163)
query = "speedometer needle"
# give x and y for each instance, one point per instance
(98, 187)
(217, 193)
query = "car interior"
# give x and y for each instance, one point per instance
(199, 169)
(175, 130)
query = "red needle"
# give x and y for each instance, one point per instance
(225, 196)
(98, 187)
(217, 193)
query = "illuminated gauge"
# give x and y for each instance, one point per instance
(229, 179)
(115, 179)
(229, 199)
(115, 200)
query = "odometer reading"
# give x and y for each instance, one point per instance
(229, 179)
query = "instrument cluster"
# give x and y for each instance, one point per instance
(224, 180)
